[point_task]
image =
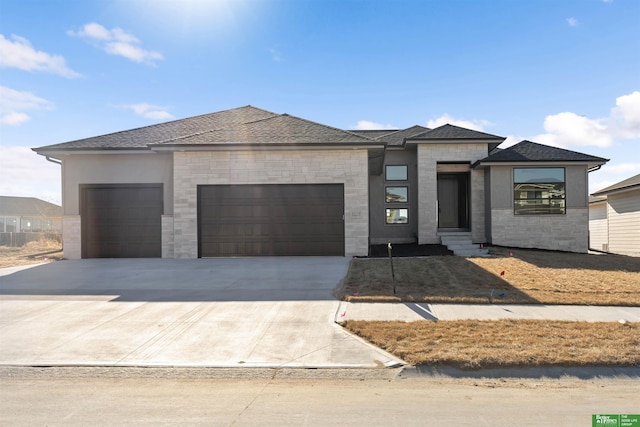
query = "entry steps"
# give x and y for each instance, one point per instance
(461, 245)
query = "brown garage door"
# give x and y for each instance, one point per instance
(282, 219)
(121, 221)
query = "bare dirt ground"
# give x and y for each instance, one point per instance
(510, 276)
(31, 253)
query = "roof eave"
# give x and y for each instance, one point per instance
(454, 140)
(44, 151)
(617, 190)
(589, 164)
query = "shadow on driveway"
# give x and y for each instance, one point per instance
(154, 280)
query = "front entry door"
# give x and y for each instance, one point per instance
(453, 200)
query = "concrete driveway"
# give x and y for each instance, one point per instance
(266, 312)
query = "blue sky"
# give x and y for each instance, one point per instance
(564, 73)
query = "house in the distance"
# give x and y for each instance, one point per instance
(614, 218)
(249, 182)
(27, 215)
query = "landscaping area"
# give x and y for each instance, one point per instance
(475, 344)
(508, 276)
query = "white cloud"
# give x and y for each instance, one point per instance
(626, 116)
(26, 174)
(14, 119)
(367, 125)
(21, 55)
(623, 169)
(149, 111)
(511, 140)
(568, 129)
(13, 103)
(117, 42)
(444, 119)
(573, 22)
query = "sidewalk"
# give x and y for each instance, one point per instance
(409, 312)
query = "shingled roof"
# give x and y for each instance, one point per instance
(452, 132)
(244, 125)
(140, 138)
(624, 185)
(527, 151)
(278, 129)
(28, 206)
(398, 138)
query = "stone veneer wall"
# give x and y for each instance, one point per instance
(167, 236)
(71, 237)
(428, 157)
(567, 232)
(349, 167)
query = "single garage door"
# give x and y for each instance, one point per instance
(270, 220)
(121, 221)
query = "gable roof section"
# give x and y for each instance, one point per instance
(281, 129)
(451, 132)
(527, 151)
(624, 185)
(28, 206)
(244, 125)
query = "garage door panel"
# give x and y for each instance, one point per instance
(288, 219)
(121, 221)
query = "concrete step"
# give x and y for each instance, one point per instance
(461, 245)
(471, 253)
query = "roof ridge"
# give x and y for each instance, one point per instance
(276, 115)
(557, 148)
(462, 128)
(330, 127)
(163, 124)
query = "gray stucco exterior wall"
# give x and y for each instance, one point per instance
(568, 232)
(111, 168)
(380, 232)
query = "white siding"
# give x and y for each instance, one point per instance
(624, 222)
(598, 228)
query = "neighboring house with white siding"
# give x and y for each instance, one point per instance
(614, 218)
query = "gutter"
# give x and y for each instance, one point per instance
(52, 160)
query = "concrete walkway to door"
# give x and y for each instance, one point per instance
(245, 312)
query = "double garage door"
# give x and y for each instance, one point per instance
(124, 221)
(271, 220)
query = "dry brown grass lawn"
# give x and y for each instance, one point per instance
(528, 276)
(475, 344)
(23, 255)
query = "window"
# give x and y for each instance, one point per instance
(396, 194)
(397, 216)
(538, 191)
(396, 173)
